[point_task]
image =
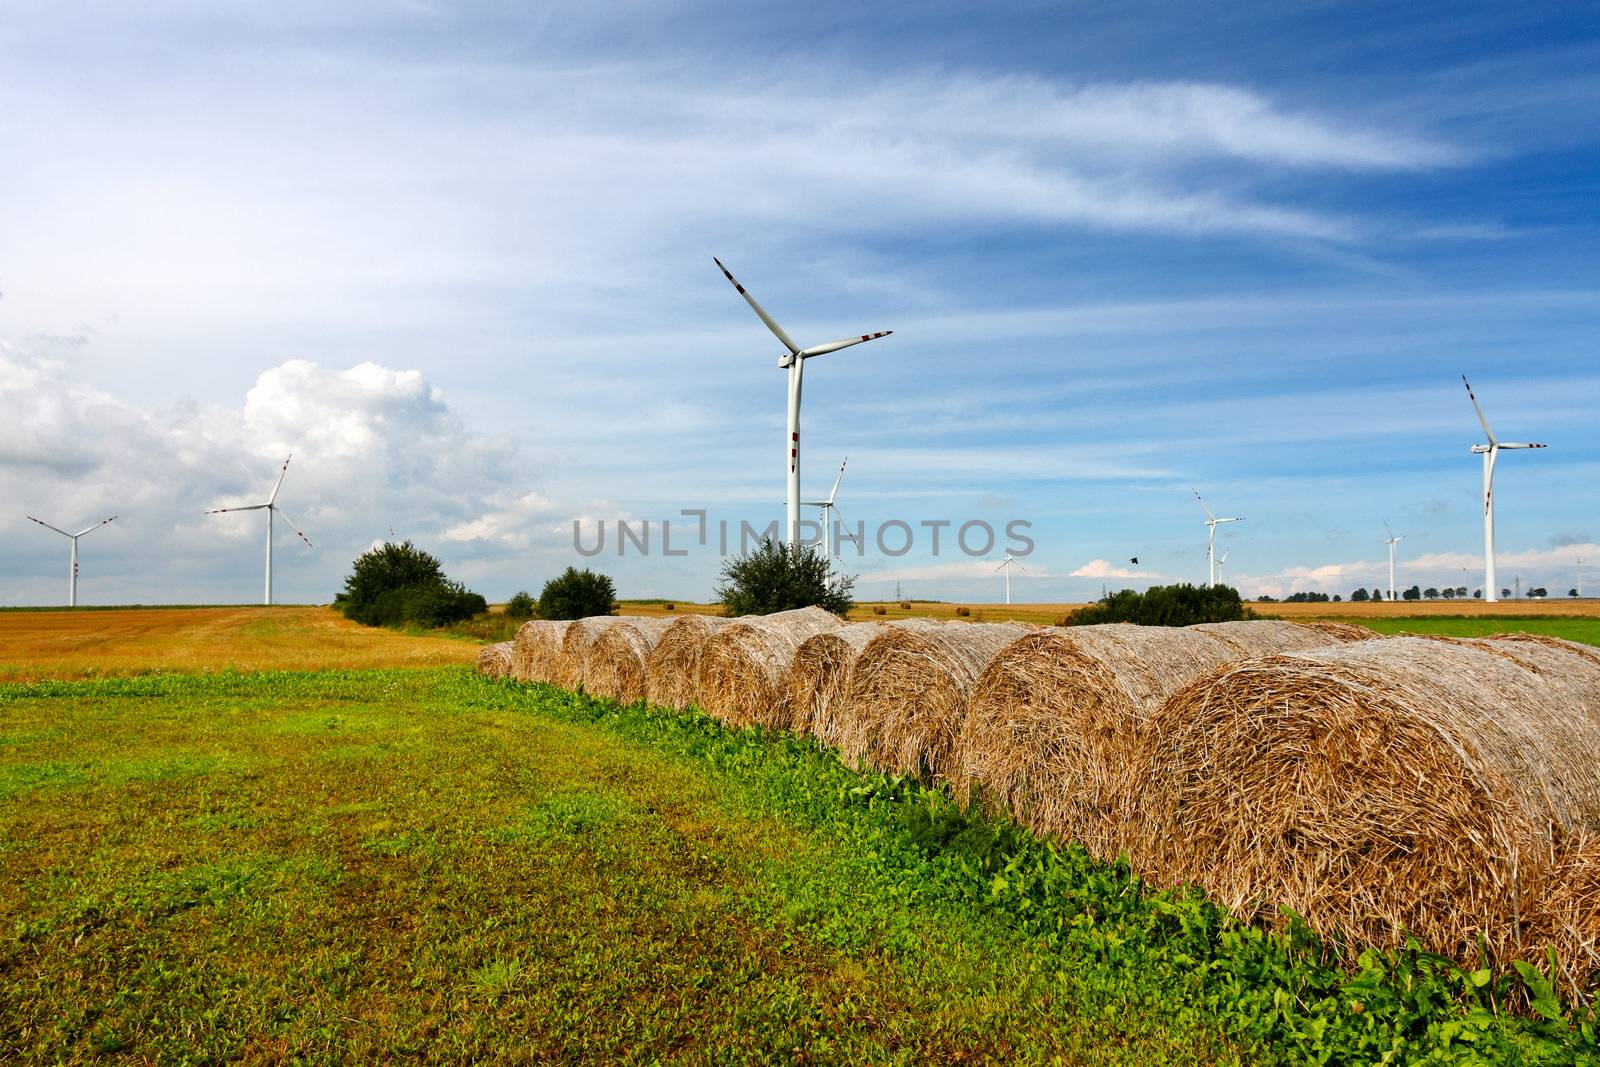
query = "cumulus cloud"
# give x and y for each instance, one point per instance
(1099, 568)
(377, 452)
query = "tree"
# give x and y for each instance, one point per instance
(521, 605)
(1572, 592)
(1358, 597)
(1539, 591)
(1166, 605)
(1414, 593)
(576, 594)
(1477, 594)
(1450, 592)
(1431, 593)
(1505, 594)
(396, 584)
(775, 577)
(1377, 594)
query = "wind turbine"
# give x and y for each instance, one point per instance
(1391, 542)
(270, 507)
(1006, 566)
(1220, 562)
(828, 508)
(72, 577)
(794, 361)
(1490, 452)
(1212, 522)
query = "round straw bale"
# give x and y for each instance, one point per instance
(1575, 648)
(536, 650)
(1345, 631)
(744, 668)
(1375, 788)
(494, 661)
(1056, 717)
(819, 677)
(907, 697)
(575, 643)
(672, 668)
(614, 665)
(1565, 912)
(1268, 637)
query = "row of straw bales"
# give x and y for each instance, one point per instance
(1445, 787)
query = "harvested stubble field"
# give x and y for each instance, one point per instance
(367, 865)
(124, 641)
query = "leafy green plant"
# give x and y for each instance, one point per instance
(521, 605)
(1166, 605)
(775, 577)
(400, 584)
(576, 594)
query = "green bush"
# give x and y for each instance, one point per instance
(1166, 605)
(576, 594)
(521, 605)
(397, 585)
(773, 577)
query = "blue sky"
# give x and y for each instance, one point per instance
(458, 259)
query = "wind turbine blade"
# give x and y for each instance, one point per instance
(96, 526)
(295, 527)
(1003, 564)
(1020, 567)
(247, 507)
(834, 346)
(771, 325)
(1508, 445)
(47, 526)
(1203, 504)
(285, 470)
(837, 480)
(1387, 530)
(1473, 397)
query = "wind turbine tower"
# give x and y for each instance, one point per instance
(1490, 452)
(271, 508)
(794, 362)
(1006, 566)
(1391, 542)
(828, 508)
(1212, 522)
(72, 575)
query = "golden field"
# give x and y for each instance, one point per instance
(88, 644)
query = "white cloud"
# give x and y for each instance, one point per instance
(1099, 568)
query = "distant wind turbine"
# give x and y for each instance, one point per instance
(828, 508)
(1006, 566)
(794, 361)
(1220, 562)
(72, 575)
(1490, 452)
(1391, 542)
(1212, 522)
(271, 506)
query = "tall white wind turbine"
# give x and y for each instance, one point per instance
(1391, 542)
(1212, 522)
(794, 361)
(828, 508)
(270, 507)
(1006, 565)
(1490, 452)
(72, 575)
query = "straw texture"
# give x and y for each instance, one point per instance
(1269, 637)
(494, 661)
(614, 665)
(673, 666)
(575, 644)
(743, 676)
(819, 676)
(1378, 787)
(907, 698)
(536, 650)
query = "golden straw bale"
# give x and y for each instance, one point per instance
(673, 666)
(819, 677)
(1575, 648)
(1268, 637)
(575, 643)
(1344, 631)
(614, 665)
(494, 661)
(1378, 787)
(743, 678)
(536, 650)
(907, 698)
(1564, 911)
(1056, 718)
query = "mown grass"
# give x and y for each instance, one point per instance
(364, 866)
(1584, 630)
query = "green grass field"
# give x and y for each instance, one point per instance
(1585, 630)
(364, 866)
